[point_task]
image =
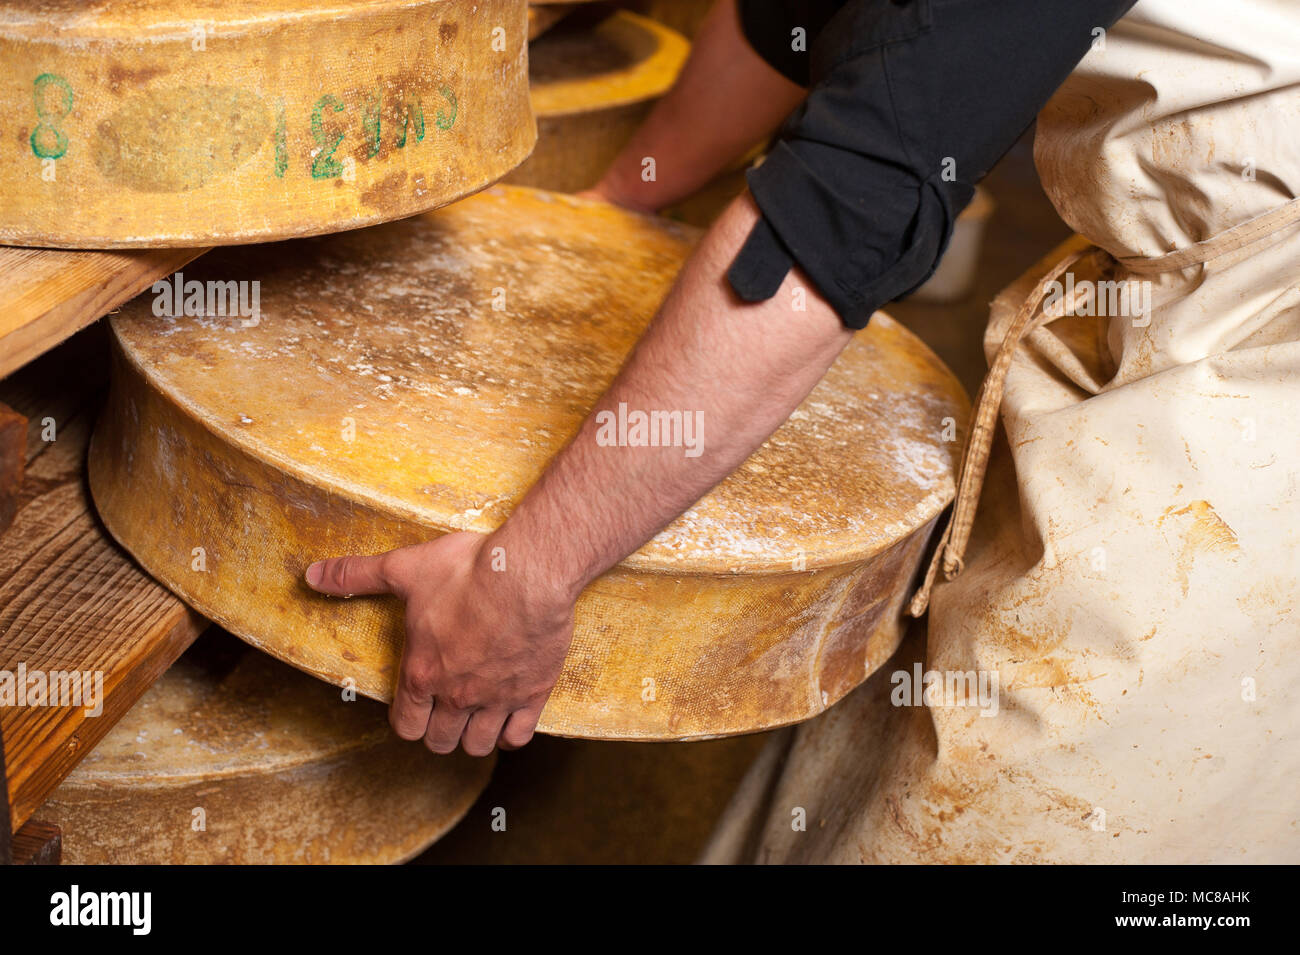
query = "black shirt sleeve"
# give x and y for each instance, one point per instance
(782, 31)
(911, 103)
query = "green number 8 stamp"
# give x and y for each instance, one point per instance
(47, 129)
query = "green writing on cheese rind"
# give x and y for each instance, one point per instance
(325, 166)
(444, 120)
(370, 125)
(46, 126)
(414, 112)
(281, 141)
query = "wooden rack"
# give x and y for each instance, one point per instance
(70, 599)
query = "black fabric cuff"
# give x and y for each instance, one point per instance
(912, 102)
(761, 265)
(860, 250)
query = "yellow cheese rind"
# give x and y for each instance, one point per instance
(164, 125)
(592, 85)
(231, 757)
(382, 399)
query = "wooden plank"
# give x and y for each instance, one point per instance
(13, 461)
(46, 295)
(70, 599)
(38, 843)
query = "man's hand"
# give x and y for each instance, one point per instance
(483, 648)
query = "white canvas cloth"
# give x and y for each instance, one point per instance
(1134, 568)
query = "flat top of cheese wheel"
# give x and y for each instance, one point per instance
(433, 366)
(581, 65)
(224, 709)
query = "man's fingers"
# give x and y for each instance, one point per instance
(482, 731)
(409, 714)
(445, 727)
(521, 725)
(345, 576)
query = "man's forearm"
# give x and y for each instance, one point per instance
(744, 367)
(726, 100)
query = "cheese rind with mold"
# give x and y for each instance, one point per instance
(381, 399)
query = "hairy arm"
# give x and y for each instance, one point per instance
(486, 639)
(743, 367)
(485, 643)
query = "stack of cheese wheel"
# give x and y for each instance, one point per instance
(541, 17)
(233, 757)
(593, 81)
(416, 378)
(211, 122)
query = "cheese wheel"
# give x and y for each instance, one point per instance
(541, 19)
(593, 82)
(684, 16)
(170, 123)
(416, 378)
(233, 757)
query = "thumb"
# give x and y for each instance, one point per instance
(346, 576)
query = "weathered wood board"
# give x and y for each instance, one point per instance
(173, 123)
(46, 295)
(70, 599)
(593, 82)
(232, 757)
(38, 843)
(404, 405)
(13, 462)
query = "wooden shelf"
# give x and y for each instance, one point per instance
(46, 295)
(70, 599)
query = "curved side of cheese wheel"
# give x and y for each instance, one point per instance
(234, 758)
(217, 127)
(654, 655)
(592, 86)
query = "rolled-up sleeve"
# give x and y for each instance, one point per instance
(911, 102)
